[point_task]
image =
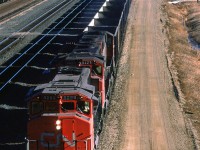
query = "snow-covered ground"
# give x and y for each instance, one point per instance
(179, 1)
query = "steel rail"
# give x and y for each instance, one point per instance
(46, 13)
(38, 41)
(29, 27)
(44, 45)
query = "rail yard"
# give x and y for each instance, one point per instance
(89, 74)
(81, 36)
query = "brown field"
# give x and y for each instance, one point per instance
(184, 20)
(193, 21)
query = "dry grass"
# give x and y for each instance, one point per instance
(183, 17)
(193, 21)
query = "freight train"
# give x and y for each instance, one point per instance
(68, 112)
(71, 107)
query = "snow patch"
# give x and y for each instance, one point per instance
(174, 2)
(179, 1)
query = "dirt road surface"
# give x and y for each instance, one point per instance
(154, 119)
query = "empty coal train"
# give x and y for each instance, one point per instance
(68, 112)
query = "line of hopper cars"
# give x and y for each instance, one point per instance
(68, 112)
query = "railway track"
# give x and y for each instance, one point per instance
(34, 64)
(6, 74)
(14, 38)
(18, 8)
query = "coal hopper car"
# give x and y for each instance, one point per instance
(55, 105)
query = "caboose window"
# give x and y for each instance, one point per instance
(36, 107)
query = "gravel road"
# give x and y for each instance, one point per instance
(144, 112)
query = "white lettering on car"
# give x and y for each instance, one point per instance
(44, 143)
